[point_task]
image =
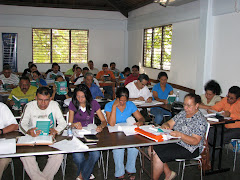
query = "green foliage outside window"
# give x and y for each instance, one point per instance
(157, 47)
(60, 46)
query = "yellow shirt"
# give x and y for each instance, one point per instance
(30, 95)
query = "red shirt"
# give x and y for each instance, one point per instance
(130, 78)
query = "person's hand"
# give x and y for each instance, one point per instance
(34, 132)
(165, 101)
(99, 128)
(149, 100)
(139, 123)
(176, 134)
(226, 114)
(165, 126)
(141, 98)
(53, 132)
(98, 97)
(77, 125)
(116, 102)
(54, 88)
(11, 103)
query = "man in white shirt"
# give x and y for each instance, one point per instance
(8, 124)
(8, 78)
(138, 89)
(42, 107)
(81, 79)
(55, 72)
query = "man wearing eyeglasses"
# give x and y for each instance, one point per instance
(230, 106)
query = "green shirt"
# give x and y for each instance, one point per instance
(69, 72)
(30, 95)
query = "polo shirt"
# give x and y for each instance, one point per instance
(161, 94)
(95, 91)
(130, 78)
(121, 117)
(30, 95)
(234, 109)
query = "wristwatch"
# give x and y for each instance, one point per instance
(1, 130)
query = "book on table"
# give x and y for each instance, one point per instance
(19, 102)
(61, 87)
(90, 138)
(28, 140)
(171, 98)
(44, 126)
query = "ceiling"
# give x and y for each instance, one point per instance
(123, 6)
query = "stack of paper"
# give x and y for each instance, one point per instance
(7, 146)
(70, 146)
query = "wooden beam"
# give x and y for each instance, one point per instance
(119, 7)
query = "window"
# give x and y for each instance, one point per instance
(59, 46)
(157, 47)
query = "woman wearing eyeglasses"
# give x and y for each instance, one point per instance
(190, 125)
(118, 111)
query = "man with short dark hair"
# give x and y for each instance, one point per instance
(113, 68)
(138, 89)
(230, 106)
(106, 75)
(71, 71)
(42, 107)
(92, 69)
(133, 76)
(55, 72)
(8, 79)
(23, 91)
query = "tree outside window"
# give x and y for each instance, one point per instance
(157, 47)
(59, 46)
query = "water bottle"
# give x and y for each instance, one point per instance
(69, 130)
(177, 97)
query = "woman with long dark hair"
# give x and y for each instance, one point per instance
(81, 113)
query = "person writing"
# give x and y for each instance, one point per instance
(211, 96)
(81, 113)
(190, 125)
(160, 93)
(118, 111)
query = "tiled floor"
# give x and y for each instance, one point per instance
(190, 173)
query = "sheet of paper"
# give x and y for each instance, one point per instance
(7, 146)
(153, 103)
(90, 129)
(129, 130)
(70, 145)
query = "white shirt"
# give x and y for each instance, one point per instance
(13, 79)
(6, 116)
(81, 79)
(134, 92)
(32, 113)
(93, 71)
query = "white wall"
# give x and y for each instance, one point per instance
(226, 52)
(107, 32)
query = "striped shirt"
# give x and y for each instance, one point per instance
(13, 79)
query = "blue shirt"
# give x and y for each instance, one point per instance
(42, 82)
(95, 91)
(121, 117)
(161, 94)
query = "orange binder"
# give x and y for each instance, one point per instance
(157, 138)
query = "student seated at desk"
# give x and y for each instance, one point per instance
(160, 93)
(106, 75)
(27, 70)
(77, 74)
(81, 78)
(55, 72)
(191, 126)
(36, 76)
(125, 73)
(56, 96)
(118, 111)
(7, 78)
(23, 91)
(81, 113)
(211, 96)
(92, 69)
(133, 76)
(230, 106)
(41, 108)
(8, 124)
(113, 68)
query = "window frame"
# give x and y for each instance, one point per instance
(70, 58)
(152, 49)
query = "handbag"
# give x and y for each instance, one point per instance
(205, 157)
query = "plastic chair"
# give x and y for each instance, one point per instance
(198, 159)
(237, 143)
